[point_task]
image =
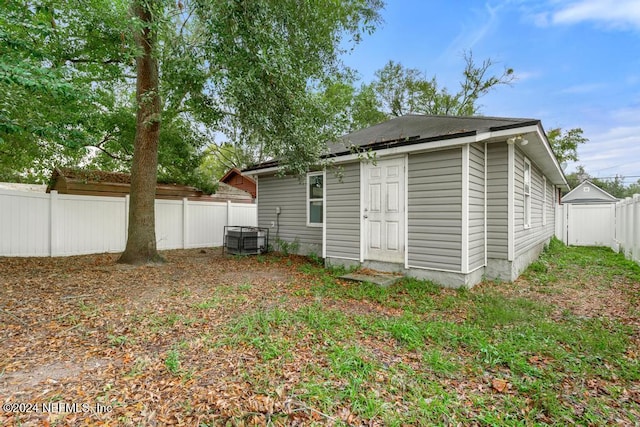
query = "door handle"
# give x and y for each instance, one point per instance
(365, 216)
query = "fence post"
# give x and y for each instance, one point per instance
(229, 214)
(126, 219)
(569, 220)
(612, 227)
(185, 222)
(635, 253)
(565, 223)
(558, 219)
(622, 219)
(629, 227)
(618, 228)
(54, 233)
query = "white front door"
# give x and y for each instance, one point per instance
(383, 210)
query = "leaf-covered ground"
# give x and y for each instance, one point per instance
(212, 340)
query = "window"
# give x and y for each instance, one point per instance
(527, 193)
(544, 200)
(315, 199)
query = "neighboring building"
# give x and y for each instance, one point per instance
(115, 184)
(587, 193)
(587, 217)
(227, 193)
(449, 199)
(235, 178)
(87, 182)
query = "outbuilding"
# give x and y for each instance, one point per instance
(587, 217)
(449, 199)
(587, 193)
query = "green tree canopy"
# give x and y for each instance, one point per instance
(565, 143)
(397, 90)
(260, 64)
(110, 82)
(50, 96)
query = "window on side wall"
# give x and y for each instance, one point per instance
(315, 199)
(527, 193)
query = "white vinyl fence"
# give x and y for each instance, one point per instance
(627, 238)
(586, 225)
(614, 225)
(40, 224)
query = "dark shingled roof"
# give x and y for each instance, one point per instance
(411, 129)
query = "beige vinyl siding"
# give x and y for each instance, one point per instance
(528, 238)
(289, 193)
(434, 191)
(497, 200)
(343, 213)
(476, 205)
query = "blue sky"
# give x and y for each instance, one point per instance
(577, 64)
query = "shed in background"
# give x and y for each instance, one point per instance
(588, 193)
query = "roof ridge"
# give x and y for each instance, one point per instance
(477, 117)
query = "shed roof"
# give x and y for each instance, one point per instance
(588, 193)
(114, 184)
(235, 171)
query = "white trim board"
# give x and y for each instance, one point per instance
(464, 256)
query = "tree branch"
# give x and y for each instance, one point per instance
(91, 61)
(108, 137)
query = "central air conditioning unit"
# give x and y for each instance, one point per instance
(246, 240)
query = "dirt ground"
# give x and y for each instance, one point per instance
(66, 323)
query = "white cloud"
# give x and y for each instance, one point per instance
(614, 150)
(473, 33)
(541, 19)
(613, 13)
(626, 115)
(583, 88)
(522, 76)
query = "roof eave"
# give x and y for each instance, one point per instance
(548, 160)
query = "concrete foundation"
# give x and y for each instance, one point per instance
(496, 269)
(443, 278)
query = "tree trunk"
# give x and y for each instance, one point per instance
(141, 235)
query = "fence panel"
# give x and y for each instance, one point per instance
(87, 224)
(561, 223)
(206, 224)
(24, 223)
(244, 214)
(590, 225)
(628, 227)
(37, 224)
(169, 221)
(629, 234)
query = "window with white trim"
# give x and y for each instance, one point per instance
(315, 199)
(527, 193)
(544, 200)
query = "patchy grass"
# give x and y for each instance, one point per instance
(212, 340)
